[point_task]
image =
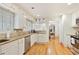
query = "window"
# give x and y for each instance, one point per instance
(6, 20)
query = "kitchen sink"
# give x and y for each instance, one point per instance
(3, 40)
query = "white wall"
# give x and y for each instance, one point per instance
(65, 28)
(56, 22)
(56, 29)
(60, 29)
(47, 32)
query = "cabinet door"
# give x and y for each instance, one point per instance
(0, 21)
(10, 48)
(11, 21)
(13, 49)
(33, 38)
(21, 46)
(6, 21)
(28, 25)
(27, 43)
(19, 20)
(42, 38)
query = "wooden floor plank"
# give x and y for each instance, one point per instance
(53, 47)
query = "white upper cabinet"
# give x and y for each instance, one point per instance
(6, 20)
(28, 25)
(34, 38)
(19, 20)
(74, 17)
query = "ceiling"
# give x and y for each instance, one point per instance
(49, 10)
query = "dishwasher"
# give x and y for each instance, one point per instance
(27, 43)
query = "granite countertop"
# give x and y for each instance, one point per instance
(20, 36)
(15, 38)
(39, 32)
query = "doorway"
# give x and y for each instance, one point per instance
(51, 31)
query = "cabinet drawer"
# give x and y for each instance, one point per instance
(10, 48)
(41, 38)
(4, 47)
(9, 45)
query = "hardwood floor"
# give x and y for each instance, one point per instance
(53, 47)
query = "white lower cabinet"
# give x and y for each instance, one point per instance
(42, 38)
(39, 38)
(33, 38)
(10, 48)
(21, 46)
(13, 48)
